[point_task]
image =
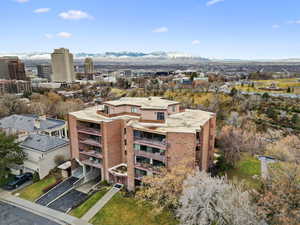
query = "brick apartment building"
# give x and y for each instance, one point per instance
(15, 86)
(11, 68)
(126, 139)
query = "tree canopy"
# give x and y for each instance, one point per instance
(10, 153)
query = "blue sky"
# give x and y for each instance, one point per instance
(245, 29)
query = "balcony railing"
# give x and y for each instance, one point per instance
(91, 153)
(148, 167)
(92, 163)
(151, 142)
(156, 156)
(89, 141)
(138, 177)
(88, 130)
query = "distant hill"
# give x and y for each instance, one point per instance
(108, 55)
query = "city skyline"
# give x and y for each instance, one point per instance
(213, 29)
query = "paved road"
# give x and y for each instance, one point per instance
(57, 191)
(12, 215)
(100, 204)
(68, 201)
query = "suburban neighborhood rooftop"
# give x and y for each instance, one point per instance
(28, 123)
(43, 143)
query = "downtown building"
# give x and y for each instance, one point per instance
(88, 66)
(11, 68)
(62, 66)
(44, 71)
(123, 140)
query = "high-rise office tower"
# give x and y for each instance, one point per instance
(44, 71)
(62, 66)
(11, 68)
(88, 66)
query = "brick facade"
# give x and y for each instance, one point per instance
(142, 142)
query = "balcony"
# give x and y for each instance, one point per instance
(147, 167)
(92, 163)
(91, 153)
(89, 130)
(156, 156)
(89, 141)
(138, 177)
(151, 142)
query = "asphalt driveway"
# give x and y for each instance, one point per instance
(70, 200)
(57, 191)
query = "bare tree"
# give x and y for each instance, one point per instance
(234, 141)
(213, 201)
(278, 200)
(165, 188)
(286, 149)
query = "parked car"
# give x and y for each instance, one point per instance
(18, 181)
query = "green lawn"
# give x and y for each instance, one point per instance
(127, 211)
(35, 190)
(245, 170)
(83, 208)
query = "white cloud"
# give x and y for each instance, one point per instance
(49, 36)
(64, 35)
(161, 30)
(213, 2)
(75, 15)
(275, 26)
(195, 42)
(22, 1)
(42, 10)
(294, 22)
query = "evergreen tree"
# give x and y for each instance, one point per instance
(10, 153)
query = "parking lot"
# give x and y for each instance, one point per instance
(12, 215)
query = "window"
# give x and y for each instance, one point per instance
(106, 109)
(160, 116)
(125, 142)
(173, 108)
(124, 130)
(134, 109)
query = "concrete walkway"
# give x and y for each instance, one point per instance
(43, 211)
(100, 204)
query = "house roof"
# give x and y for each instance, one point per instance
(28, 122)
(43, 143)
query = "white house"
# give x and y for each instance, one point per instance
(41, 151)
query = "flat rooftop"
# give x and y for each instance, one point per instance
(144, 103)
(188, 121)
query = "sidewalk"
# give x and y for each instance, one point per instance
(43, 211)
(100, 204)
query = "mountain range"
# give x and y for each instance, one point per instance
(106, 55)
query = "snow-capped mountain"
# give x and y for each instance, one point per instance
(106, 55)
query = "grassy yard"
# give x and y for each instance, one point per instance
(83, 208)
(35, 190)
(245, 170)
(281, 83)
(127, 211)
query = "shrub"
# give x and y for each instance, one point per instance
(36, 177)
(59, 159)
(48, 188)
